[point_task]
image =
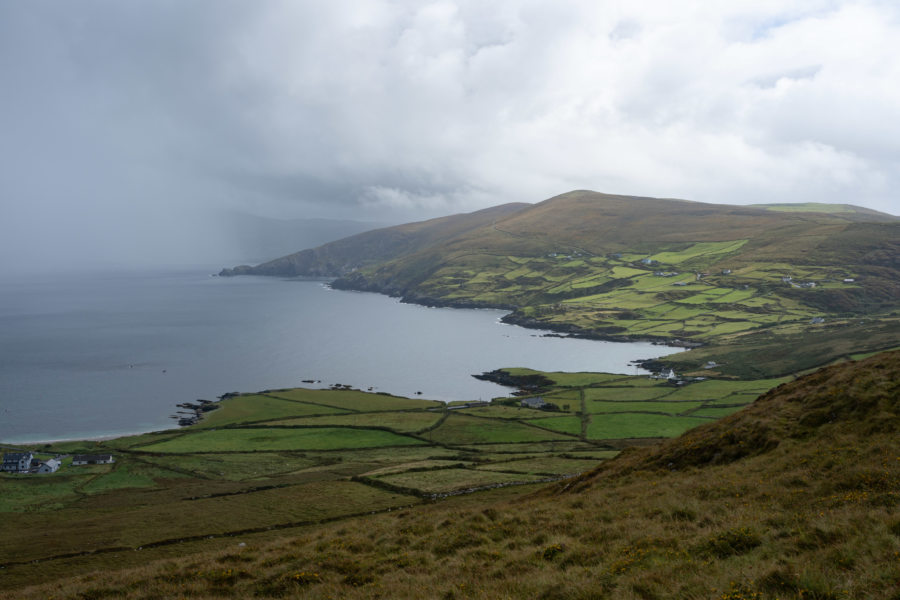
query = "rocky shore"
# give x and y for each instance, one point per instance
(193, 411)
(526, 384)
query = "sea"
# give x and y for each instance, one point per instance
(95, 355)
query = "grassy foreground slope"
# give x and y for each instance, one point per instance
(739, 280)
(794, 497)
(294, 458)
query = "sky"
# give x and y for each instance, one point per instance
(130, 131)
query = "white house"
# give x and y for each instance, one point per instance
(536, 402)
(17, 462)
(49, 466)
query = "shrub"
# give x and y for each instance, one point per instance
(732, 542)
(550, 552)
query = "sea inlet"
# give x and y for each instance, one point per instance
(106, 354)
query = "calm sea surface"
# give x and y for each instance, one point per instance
(103, 355)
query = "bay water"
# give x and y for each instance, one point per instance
(104, 354)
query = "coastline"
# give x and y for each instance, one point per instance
(90, 438)
(511, 318)
(89, 427)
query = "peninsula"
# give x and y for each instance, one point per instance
(758, 291)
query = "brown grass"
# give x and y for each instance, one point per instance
(808, 511)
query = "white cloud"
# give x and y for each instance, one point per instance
(418, 108)
(722, 102)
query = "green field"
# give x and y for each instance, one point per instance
(630, 393)
(544, 466)
(633, 425)
(259, 407)
(463, 429)
(671, 408)
(570, 425)
(449, 480)
(354, 400)
(268, 439)
(404, 422)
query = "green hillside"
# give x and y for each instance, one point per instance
(793, 497)
(737, 280)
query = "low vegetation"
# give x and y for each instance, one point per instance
(794, 496)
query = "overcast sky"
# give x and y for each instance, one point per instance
(127, 129)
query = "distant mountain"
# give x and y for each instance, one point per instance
(597, 224)
(827, 208)
(345, 255)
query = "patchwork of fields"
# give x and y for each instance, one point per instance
(702, 291)
(756, 316)
(287, 458)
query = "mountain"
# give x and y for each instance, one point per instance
(743, 278)
(794, 497)
(343, 256)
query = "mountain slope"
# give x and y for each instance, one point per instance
(342, 256)
(807, 509)
(855, 400)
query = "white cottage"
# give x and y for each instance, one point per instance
(49, 466)
(17, 462)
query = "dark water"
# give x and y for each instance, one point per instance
(110, 354)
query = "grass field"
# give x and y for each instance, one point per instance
(463, 429)
(544, 466)
(260, 407)
(292, 458)
(405, 421)
(671, 408)
(633, 425)
(449, 480)
(267, 439)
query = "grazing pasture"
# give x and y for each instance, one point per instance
(294, 458)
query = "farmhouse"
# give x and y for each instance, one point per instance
(48, 466)
(669, 375)
(93, 459)
(17, 462)
(536, 402)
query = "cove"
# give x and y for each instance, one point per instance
(111, 354)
